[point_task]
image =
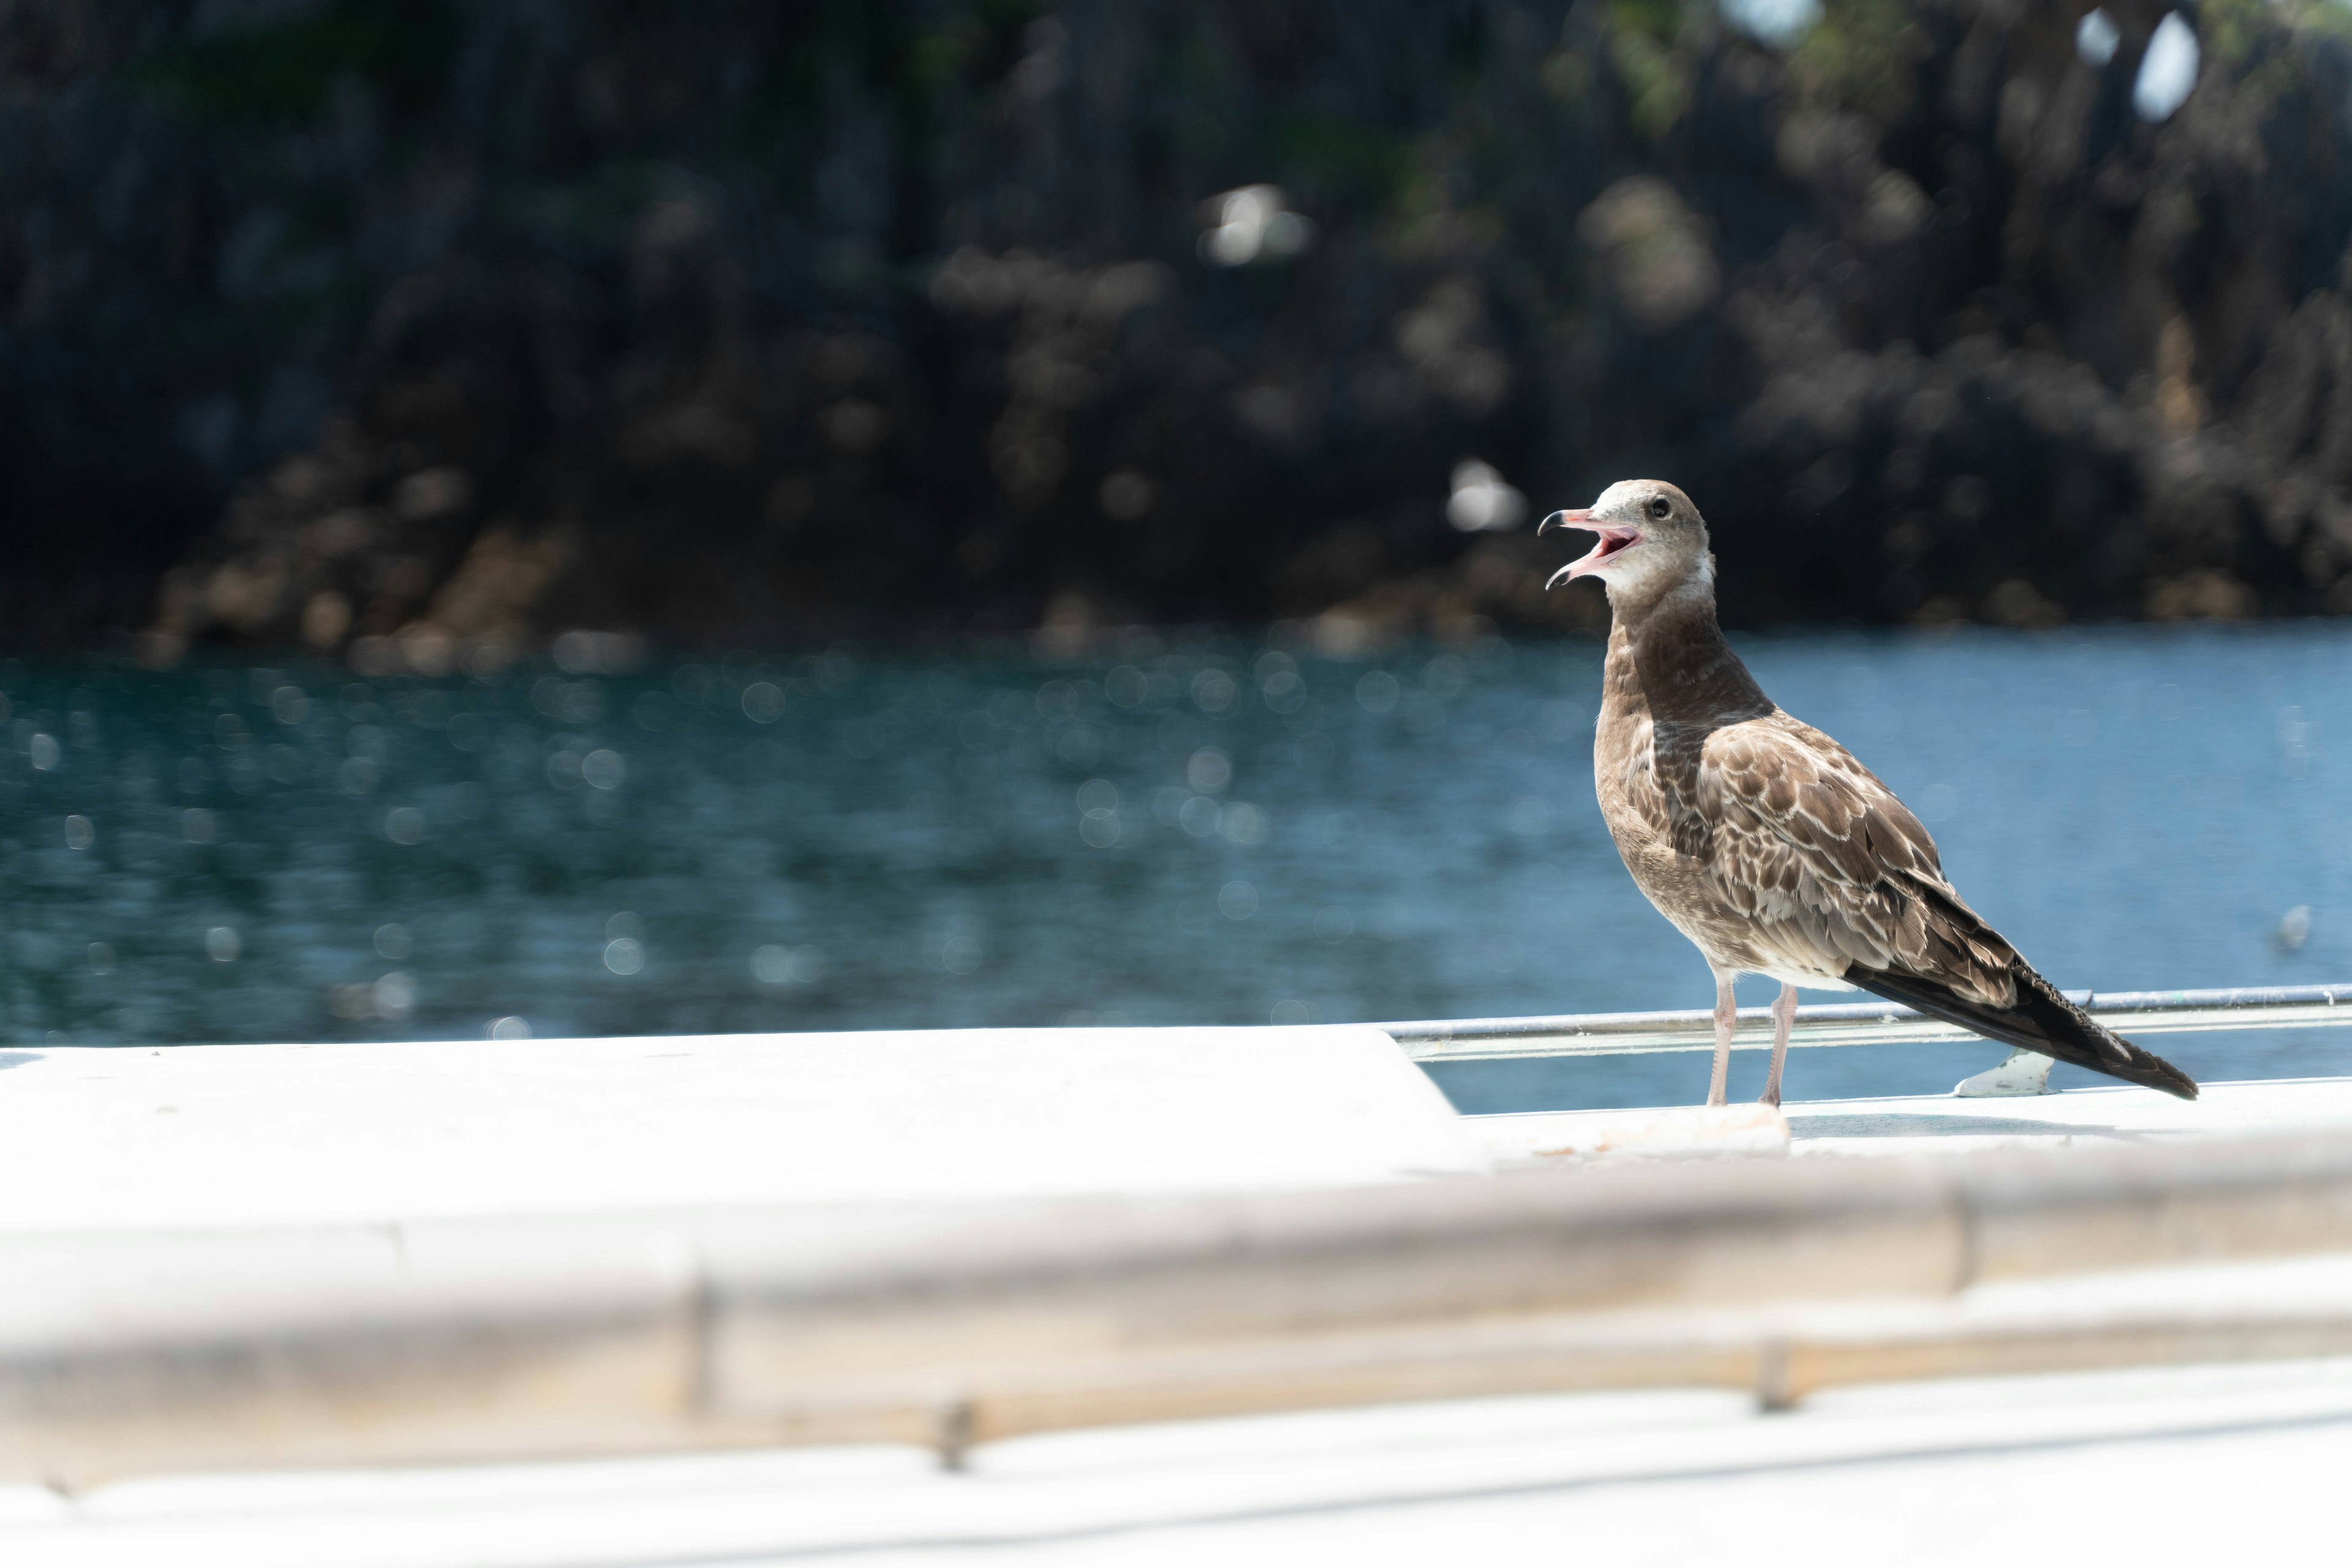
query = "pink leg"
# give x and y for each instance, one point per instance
(1784, 1012)
(1725, 1017)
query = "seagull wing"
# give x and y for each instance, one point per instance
(1829, 868)
(1833, 873)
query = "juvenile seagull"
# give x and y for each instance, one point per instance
(1764, 841)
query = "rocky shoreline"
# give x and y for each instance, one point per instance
(450, 328)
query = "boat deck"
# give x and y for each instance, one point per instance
(2165, 1466)
(1940, 1125)
(626, 1303)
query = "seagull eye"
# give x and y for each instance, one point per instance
(1659, 507)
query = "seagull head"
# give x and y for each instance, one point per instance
(1650, 533)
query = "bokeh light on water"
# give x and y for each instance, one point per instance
(1178, 830)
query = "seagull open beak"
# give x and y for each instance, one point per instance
(1616, 538)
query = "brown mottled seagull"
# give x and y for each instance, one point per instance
(1764, 841)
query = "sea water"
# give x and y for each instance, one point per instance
(1176, 828)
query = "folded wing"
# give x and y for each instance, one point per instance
(1829, 868)
(1834, 875)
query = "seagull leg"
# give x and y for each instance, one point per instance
(1784, 1012)
(1724, 1016)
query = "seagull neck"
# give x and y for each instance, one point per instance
(1668, 653)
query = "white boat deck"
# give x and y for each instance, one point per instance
(293, 1152)
(2175, 1465)
(1945, 1124)
(233, 1136)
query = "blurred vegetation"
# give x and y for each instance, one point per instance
(455, 326)
(277, 73)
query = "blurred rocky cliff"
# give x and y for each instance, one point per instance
(449, 325)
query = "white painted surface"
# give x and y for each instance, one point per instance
(2182, 1466)
(2196, 1465)
(1947, 1124)
(260, 1135)
(2088, 1117)
(207, 1136)
(1666, 1133)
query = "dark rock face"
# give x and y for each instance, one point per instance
(454, 325)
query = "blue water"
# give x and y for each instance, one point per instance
(1185, 829)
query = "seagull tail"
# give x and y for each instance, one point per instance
(2041, 1020)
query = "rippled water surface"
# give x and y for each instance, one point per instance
(1194, 830)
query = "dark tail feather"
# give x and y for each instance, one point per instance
(2043, 1020)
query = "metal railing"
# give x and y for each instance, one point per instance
(1872, 1023)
